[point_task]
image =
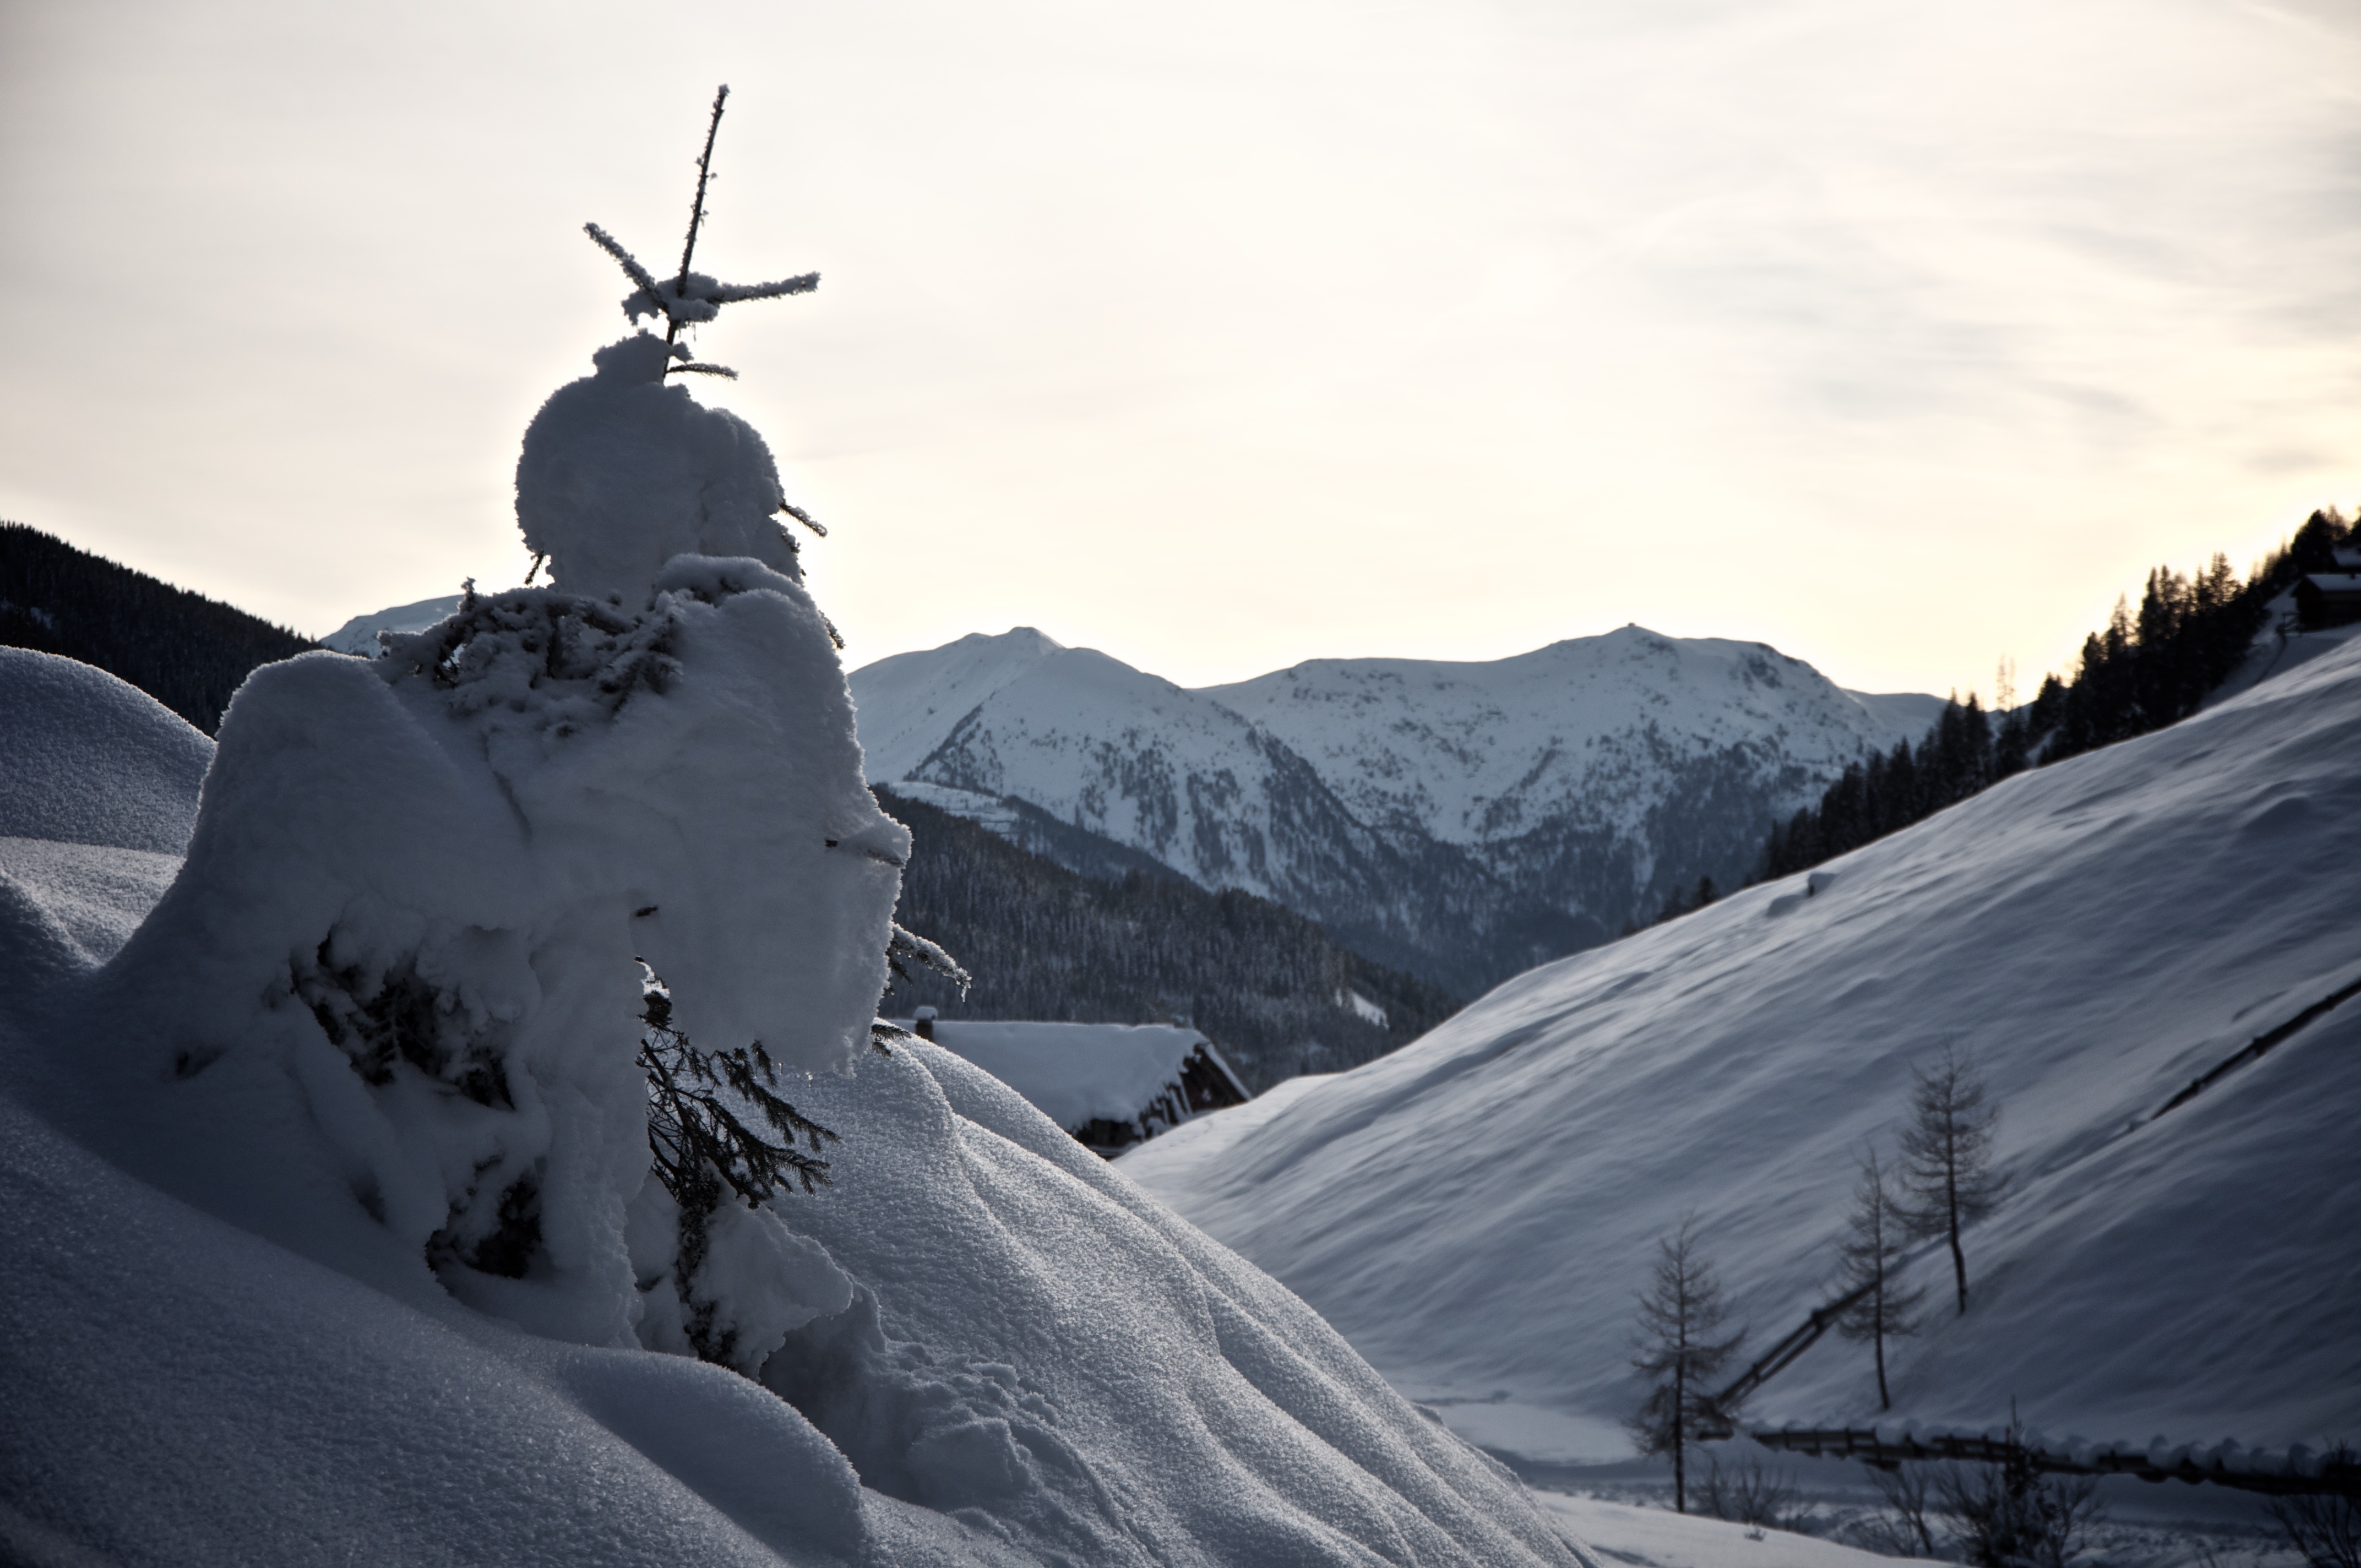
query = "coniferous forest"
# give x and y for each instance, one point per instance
(2147, 668)
(1264, 984)
(188, 652)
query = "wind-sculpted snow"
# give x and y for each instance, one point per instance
(90, 761)
(1477, 1209)
(328, 1205)
(418, 901)
(621, 472)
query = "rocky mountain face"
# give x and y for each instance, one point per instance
(1458, 821)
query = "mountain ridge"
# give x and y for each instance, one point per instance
(1503, 813)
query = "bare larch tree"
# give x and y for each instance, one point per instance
(1946, 1176)
(1875, 1234)
(1677, 1350)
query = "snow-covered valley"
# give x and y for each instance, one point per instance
(1477, 1211)
(1461, 821)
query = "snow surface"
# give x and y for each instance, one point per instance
(910, 701)
(1075, 1073)
(1477, 1211)
(86, 764)
(1122, 753)
(621, 472)
(1657, 1538)
(326, 1198)
(359, 635)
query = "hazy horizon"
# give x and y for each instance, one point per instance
(1225, 339)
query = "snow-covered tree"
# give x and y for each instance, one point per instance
(541, 908)
(1947, 1175)
(1876, 1230)
(1678, 1348)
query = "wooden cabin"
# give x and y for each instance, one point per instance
(1110, 1085)
(2330, 598)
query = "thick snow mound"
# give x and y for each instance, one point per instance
(402, 965)
(1036, 1363)
(89, 760)
(621, 472)
(1476, 1210)
(85, 899)
(328, 1205)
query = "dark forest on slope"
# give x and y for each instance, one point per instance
(1264, 984)
(188, 652)
(2148, 668)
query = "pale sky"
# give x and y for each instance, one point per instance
(1219, 336)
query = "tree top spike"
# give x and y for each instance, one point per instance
(690, 298)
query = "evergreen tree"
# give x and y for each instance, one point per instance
(1681, 1313)
(1876, 1230)
(1947, 1175)
(188, 652)
(2146, 668)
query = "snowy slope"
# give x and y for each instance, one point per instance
(1477, 1211)
(910, 703)
(224, 1353)
(1076, 1073)
(88, 760)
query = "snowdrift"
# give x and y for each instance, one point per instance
(1475, 1212)
(326, 1184)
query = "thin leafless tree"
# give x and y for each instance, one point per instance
(1877, 1232)
(1948, 1182)
(1679, 1347)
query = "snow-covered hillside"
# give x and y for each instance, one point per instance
(1477, 1211)
(1463, 820)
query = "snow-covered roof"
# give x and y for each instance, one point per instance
(1076, 1073)
(2334, 582)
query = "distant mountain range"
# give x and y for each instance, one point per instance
(1458, 821)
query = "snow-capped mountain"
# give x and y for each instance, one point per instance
(1477, 1209)
(1591, 774)
(359, 635)
(1460, 820)
(1177, 775)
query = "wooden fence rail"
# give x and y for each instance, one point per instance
(2341, 1474)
